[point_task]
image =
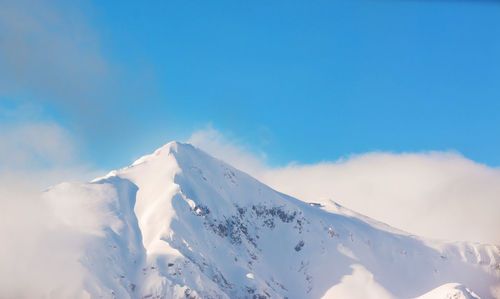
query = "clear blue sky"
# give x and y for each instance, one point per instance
(301, 81)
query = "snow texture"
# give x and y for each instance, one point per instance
(181, 224)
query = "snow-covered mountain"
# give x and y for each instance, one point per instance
(181, 224)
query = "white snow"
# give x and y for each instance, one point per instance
(179, 223)
(450, 291)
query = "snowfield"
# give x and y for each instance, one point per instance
(181, 224)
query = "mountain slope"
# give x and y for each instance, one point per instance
(179, 223)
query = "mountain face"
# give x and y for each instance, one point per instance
(181, 224)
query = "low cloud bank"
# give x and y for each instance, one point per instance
(433, 194)
(38, 253)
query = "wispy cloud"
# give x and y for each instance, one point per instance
(34, 155)
(42, 151)
(212, 141)
(434, 194)
(51, 52)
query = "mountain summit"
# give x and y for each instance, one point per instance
(179, 223)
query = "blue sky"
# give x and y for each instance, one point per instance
(303, 81)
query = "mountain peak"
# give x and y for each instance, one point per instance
(169, 148)
(180, 223)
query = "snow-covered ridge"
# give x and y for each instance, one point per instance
(181, 224)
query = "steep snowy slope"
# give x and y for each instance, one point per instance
(179, 223)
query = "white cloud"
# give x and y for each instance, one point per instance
(212, 141)
(434, 194)
(36, 257)
(33, 156)
(32, 144)
(358, 285)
